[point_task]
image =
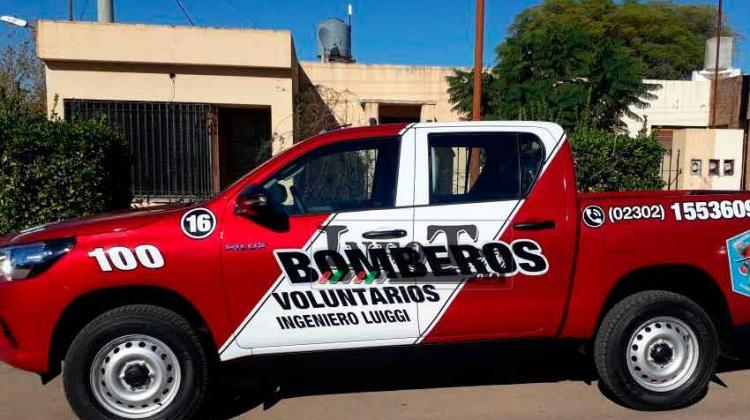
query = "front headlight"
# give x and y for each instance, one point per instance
(18, 262)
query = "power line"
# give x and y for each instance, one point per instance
(242, 12)
(184, 12)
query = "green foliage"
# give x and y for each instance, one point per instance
(52, 169)
(668, 37)
(563, 75)
(583, 61)
(461, 91)
(22, 77)
(608, 161)
(569, 74)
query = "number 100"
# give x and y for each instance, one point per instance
(123, 258)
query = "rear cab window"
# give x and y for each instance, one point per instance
(476, 167)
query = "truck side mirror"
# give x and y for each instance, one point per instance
(253, 202)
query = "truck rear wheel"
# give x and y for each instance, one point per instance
(656, 350)
(136, 362)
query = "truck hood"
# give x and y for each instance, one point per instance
(103, 223)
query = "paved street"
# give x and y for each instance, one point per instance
(543, 382)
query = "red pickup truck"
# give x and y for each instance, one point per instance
(381, 236)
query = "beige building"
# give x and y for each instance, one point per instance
(377, 93)
(706, 159)
(681, 116)
(679, 104)
(202, 106)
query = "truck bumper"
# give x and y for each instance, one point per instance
(25, 325)
(30, 360)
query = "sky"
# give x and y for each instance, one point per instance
(422, 32)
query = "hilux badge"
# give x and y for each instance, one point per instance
(248, 246)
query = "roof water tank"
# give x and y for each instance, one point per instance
(334, 40)
(725, 57)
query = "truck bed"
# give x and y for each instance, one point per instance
(663, 231)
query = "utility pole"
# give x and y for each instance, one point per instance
(70, 10)
(715, 82)
(478, 51)
(476, 112)
(105, 11)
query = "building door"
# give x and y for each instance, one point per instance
(244, 141)
(399, 113)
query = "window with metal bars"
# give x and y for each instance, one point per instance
(170, 144)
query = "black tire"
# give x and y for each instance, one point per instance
(613, 343)
(164, 325)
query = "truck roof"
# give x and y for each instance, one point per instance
(397, 128)
(553, 128)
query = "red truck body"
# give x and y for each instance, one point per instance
(563, 258)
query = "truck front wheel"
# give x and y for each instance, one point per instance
(136, 362)
(656, 350)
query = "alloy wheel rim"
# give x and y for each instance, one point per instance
(135, 376)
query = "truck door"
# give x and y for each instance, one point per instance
(501, 195)
(340, 199)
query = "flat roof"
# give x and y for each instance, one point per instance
(163, 44)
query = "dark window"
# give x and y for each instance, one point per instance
(244, 141)
(397, 113)
(169, 143)
(349, 176)
(507, 165)
(713, 167)
(728, 167)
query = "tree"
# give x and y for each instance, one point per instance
(22, 80)
(52, 169)
(562, 74)
(584, 61)
(461, 91)
(668, 37)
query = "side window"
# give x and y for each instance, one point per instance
(471, 167)
(350, 176)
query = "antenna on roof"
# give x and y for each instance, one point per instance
(350, 30)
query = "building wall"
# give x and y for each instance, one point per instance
(706, 144)
(365, 86)
(249, 87)
(729, 102)
(170, 63)
(679, 103)
(258, 68)
(162, 44)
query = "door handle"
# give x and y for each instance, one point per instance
(535, 225)
(384, 234)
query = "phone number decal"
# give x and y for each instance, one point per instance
(711, 210)
(655, 211)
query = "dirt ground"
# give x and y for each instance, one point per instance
(510, 381)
